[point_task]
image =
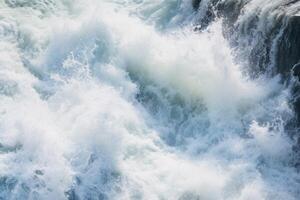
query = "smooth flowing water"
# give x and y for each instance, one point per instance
(123, 99)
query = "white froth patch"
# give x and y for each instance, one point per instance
(271, 143)
(254, 190)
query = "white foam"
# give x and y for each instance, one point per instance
(73, 124)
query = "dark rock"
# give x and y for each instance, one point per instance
(285, 28)
(296, 71)
(71, 195)
(270, 50)
(196, 4)
(208, 17)
(39, 172)
(229, 10)
(288, 53)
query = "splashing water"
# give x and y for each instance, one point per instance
(123, 100)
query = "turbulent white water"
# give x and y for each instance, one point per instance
(121, 99)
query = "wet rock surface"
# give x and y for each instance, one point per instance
(289, 47)
(284, 34)
(296, 71)
(277, 50)
(196, 4)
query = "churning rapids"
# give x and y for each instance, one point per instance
(147, 100)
